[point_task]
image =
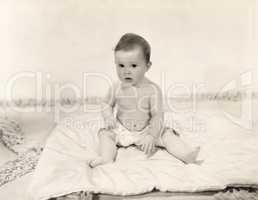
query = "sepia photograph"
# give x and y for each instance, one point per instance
(128, 100)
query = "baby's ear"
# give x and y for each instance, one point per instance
(149, 65)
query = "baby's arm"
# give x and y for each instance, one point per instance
(107, 108)
(149, 142)
(156, 112)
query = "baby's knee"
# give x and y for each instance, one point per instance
(169, 132)
(107, 134)
(166, 134)
(168, 137)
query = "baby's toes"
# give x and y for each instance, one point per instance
(194, 155)
(95, 162)
(197, 150)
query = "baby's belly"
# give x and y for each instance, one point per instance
(133, 121)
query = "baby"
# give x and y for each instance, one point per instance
(138, 104)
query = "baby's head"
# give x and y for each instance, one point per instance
(132, 58)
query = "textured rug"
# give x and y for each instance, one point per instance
(237, 194)
(24, 164)
(228, 194)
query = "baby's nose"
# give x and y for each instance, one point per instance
(127, 71)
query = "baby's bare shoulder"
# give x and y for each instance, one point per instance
(152, 88)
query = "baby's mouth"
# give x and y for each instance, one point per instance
(128, 79)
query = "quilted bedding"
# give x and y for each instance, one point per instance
(229, 155)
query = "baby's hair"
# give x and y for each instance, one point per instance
(130, 40)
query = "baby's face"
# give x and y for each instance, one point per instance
(131, 65)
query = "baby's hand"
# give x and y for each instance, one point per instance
(110, 122)
(148, 145)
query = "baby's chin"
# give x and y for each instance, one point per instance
(127, 84)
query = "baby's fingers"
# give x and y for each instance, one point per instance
(144, 148)
(152, 150)
(147, 149)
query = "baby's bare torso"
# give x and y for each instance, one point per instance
(133, 105)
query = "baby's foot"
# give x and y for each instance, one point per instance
(192, 157)
(97, 161)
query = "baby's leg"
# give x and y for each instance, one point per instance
(178, 148)
(108, 148)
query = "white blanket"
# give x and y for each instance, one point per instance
(229, 154)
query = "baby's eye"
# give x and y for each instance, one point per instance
(121, 65)
(134, 65)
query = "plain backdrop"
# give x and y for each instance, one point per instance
(196, 44)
